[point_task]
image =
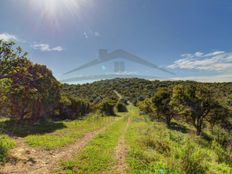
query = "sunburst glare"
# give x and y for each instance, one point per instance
(55, 9)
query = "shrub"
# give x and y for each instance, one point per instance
(193, 160)
(146, 106)
(159, 145)
(121, 106)
(224, 155)
(221, 135)
(72, 107)
(106, 106)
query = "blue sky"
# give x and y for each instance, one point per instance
(192, 38)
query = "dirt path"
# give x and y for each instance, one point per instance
(121, 152)
(28, 160)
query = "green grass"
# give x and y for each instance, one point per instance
(98, 155)
(72, 131)
(51, 135)
(156, 149)
(6, 143)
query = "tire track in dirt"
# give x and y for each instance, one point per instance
(27, 160)
(121, 152)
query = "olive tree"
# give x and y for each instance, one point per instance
(193, 101)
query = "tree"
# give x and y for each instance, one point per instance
(194, 101)
(33, 90)
(11, 59)
(161, 102)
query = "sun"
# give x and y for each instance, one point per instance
(55, 8)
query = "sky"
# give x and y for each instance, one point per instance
(190, 38)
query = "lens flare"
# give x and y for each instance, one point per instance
(55, 9)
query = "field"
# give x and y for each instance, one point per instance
(127, 143)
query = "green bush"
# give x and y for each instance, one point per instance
(221, 135)
(224, 155)
(193, 161)
(5, 145)
(159, 145)
(72, 107)
(106, 106)
(121, 107)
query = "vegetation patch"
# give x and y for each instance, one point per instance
(72, 131)
(98, 156)
(156, 149)
(6, 144)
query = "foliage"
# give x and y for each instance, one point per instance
(121, 105)
(5, 145)
(4, 101)
(193, 160)
(72, 108)
(162, 104)
(156, 149)
(31, 90)
(146, 106)
(106, 106)
(193, 101)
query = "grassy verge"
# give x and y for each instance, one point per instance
(72, 131)
(156, 149)
(98, 155)
(6, 144)
(51, 135)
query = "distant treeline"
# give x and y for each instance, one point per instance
(135, 89)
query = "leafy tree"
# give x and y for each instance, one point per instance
(194, 101)
(33, 92)
(11, 59)
(162, 104)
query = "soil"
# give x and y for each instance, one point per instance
(121, 152)
(28, 160)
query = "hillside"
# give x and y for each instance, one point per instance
(137, 89)
(110, 126)
(130, 143)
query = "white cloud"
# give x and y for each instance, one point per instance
(46, 48)
(90, 33)
(213, 61)
(8, 37)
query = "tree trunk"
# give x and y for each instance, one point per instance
(199, 127)
(168, 121)
(198, 131)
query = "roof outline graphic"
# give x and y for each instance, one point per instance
(104, 56)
